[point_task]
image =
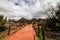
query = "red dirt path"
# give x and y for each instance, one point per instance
(26, 33)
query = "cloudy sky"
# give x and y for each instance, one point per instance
(16, 9)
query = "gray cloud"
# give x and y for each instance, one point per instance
(16, 9)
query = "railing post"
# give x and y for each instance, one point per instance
(43, 37)
(34, 37)
(9, 30)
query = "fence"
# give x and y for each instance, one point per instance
(52, 35)
(49, 34)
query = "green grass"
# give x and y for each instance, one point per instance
(1, 38)
(40, 37)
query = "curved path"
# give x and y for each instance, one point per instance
(26, 33)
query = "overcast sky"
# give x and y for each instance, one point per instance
(16, 9)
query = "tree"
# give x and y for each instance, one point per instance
(51, 22)
(23, 21)
(2, 22)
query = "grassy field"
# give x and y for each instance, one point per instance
(1, 38)
(40, 36)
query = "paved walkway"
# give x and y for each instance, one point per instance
(26, 33)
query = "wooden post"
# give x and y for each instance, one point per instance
(43, 37)
(9, 30)
(34, 37)
(38, 31)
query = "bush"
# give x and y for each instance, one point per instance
(2, 28)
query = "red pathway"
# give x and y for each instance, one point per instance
(26, 33)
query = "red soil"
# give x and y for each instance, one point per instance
(26, 33)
